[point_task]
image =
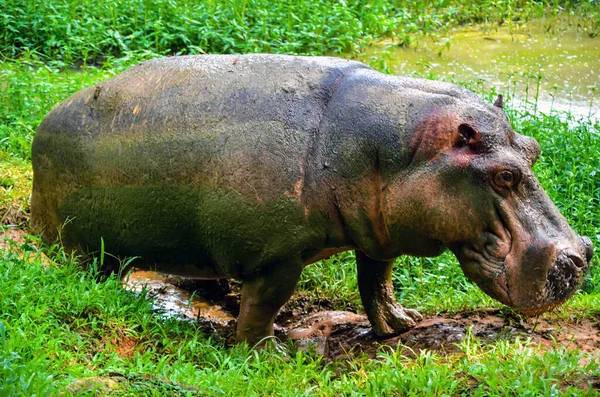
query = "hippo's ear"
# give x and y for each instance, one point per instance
(499, 102)
(467, 135)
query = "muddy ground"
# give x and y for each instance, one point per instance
(334, 334)
(340, 333)
(313, 323)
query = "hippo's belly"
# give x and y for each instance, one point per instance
(200, 205)
(187, 230)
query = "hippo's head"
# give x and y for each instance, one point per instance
(471, 188)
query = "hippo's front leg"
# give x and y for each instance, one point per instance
(387, 317)
(262, 297)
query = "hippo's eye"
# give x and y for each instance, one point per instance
(504, 179)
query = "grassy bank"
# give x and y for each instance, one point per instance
(77, 32)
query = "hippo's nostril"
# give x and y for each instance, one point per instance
(577, 260)
(588, 248)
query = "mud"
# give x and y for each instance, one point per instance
(338, 334)
(171, 299)
(311, 323)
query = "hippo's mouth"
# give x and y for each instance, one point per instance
(545, 292)
(485, 270)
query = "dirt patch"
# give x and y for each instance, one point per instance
(11, 235)
(13, 215)
(125, 346)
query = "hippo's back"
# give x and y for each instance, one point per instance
(145, 150)
(178, 94)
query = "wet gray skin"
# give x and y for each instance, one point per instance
(251, 167)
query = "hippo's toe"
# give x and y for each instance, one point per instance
(395, 319)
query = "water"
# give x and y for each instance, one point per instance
(553, 53)
(172, 300)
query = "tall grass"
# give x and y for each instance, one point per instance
(28, 91)
(69, 32)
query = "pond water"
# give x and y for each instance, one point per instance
(554, 55)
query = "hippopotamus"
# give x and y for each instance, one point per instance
(253, 166)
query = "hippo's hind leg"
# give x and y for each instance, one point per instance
(386, 316)
(262, 297)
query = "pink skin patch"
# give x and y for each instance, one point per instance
(441, 131)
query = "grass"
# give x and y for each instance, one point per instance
(79, 32)
(30, 89)
(15, 187)
(59, 324)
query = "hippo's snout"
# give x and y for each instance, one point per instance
(538, 280)
(563, 277)
(575, 259)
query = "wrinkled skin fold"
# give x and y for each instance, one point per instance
(252, 167)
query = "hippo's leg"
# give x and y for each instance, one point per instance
(386, 315)
(262, 297)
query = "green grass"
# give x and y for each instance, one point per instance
(78, 32)
(15, 187)
(30, 89)
(59, 324)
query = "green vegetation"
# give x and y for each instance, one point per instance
(86, 31)
(59, 324)
(15, 187)
(29, 89)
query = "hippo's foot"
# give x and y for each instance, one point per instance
(386, 316)
(394, 319)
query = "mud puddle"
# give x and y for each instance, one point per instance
(335, 334)
(173, 300)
